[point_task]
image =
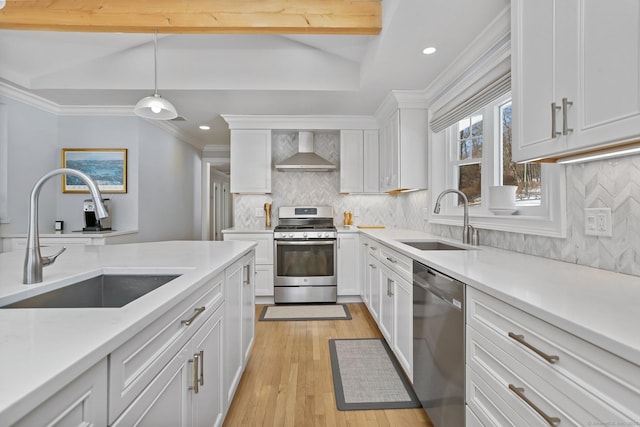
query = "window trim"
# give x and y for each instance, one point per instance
(549, 219)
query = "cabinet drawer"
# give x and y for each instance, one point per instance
(606, 376)
(548, 390)
(487, 406)
(139, 360)
(399, 263)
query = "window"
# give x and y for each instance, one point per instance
(474, 154)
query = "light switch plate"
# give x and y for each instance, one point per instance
(259, 212)
(425, 213)
(597, 222)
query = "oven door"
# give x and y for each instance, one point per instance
(305, 262)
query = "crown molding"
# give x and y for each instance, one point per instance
(401, 99)
(281, 122)
(216, 150)
(28, 98)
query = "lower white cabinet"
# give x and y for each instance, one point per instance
(348, 267)
(522, 371)
(81, 403)
(264, 259)
(390, 298)
(188, 390)
(239, 321)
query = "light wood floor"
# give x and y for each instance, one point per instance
(288, 379)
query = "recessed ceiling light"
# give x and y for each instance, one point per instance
(204, 127)
(429, 50)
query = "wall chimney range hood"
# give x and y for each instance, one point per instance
(305, 160)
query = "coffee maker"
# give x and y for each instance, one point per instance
(91, 221)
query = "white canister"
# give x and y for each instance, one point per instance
(502, 197)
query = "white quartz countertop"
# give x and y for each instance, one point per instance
(75, 234)
(248, 230)
(599, 306)
(44, 349)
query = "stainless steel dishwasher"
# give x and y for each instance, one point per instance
(438, 345)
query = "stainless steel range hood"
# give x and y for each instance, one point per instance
(305, 160)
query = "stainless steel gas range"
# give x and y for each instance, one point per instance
(305, 255)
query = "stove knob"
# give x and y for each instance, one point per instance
(290, 234)
(304, 234)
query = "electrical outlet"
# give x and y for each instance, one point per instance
(597, 222)
(259, 212)
(356, 212)
(425, 213)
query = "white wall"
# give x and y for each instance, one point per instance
(32, 151)
(169, 178)
(100, 132)
(163, 173)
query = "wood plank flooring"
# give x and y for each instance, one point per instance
(288, 379)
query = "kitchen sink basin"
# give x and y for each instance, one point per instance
(432, 245)
(106, 290)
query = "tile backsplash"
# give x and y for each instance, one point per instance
(611, 183)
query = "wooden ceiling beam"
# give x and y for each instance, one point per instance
(196, 16)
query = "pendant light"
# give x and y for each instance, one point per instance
(155, 107)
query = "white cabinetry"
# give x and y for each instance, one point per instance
(239, 321)
(388, 276)
(348, 266)
(264, 259)
(585, 53)
(521, 369)
(359, 165)
(188, 390)
(81, 403)
(403, 150)
(250, 161)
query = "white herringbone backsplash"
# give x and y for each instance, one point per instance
(612, 183)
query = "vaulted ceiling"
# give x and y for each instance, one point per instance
(205, 75)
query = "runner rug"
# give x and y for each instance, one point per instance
(305, 312)
(366, 375)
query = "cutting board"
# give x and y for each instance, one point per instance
(371, 226)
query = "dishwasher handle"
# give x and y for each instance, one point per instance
(440, 285)
(447, 298)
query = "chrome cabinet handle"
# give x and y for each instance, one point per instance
(552, 421)
(194, 383)
(201, 358)
(189, 321)
(248, 280)
(554, 133)
(545, 356)
(391, 260)
(372, 266)
(366, 244)
(565, 106)
(373, 248)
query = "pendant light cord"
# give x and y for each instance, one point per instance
(155, 61)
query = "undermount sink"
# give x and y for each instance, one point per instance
(432, 245)
(106, 290)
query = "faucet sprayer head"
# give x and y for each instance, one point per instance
(436, 209)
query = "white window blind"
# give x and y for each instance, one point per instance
(450, 115)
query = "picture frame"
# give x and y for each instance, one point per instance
(107, 167)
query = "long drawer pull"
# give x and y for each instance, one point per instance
(392, 260)
(372, 266)
(195, 383)
(201, 358)
(552, 421)
(197, 313)
(554, 133)
(545, 356)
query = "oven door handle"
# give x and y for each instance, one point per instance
(304, 242)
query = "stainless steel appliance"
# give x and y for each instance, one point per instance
(438, 345)
(91, 221)
(305, 255)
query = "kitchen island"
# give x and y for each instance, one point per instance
(43, 350)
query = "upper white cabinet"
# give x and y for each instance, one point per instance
(250, 161)
(359, 166)
(403, 143)
(575, 75)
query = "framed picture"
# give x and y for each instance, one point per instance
(107, 167)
